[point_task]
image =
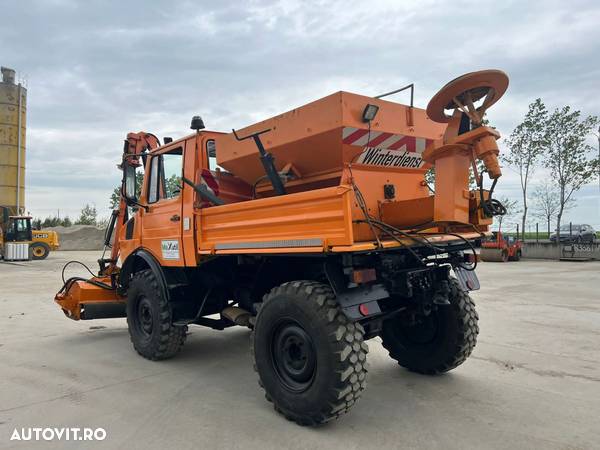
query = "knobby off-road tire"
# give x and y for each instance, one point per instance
(39, 250)
(439, 342)
(149, 319)
(311, 360)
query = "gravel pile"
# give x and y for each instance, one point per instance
(80, 237)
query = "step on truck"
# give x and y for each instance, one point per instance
(317, 230)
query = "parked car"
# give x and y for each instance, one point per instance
(575, 233)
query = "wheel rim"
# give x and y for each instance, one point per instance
(293, 355)
(144, 314)
(38, 251)
(422, 331)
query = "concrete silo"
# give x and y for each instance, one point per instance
(13, 112)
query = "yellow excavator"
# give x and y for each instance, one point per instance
(19, 242)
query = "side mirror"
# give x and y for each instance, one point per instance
(129, 182)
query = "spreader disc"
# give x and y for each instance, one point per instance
(489, 85)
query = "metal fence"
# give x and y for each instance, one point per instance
(536, 232)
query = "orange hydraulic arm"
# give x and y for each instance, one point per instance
(97, 297)
(135, 145)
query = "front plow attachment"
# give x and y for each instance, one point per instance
(91, 299)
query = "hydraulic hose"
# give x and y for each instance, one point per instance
(491, 207)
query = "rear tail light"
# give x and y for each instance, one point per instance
(362, 276)
(363, 309)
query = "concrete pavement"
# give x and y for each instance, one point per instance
(532, 382)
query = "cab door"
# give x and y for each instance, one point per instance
(161, 222)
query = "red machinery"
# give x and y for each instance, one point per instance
(501, 248)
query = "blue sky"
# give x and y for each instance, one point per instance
(98, 69)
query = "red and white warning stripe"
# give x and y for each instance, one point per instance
(386, 149)
(383, 140)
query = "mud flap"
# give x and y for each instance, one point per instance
(361, 302)
(467, 279)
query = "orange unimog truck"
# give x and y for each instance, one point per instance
(314, 228)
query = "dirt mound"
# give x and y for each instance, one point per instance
(80, 237)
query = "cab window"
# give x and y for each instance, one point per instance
(165, 175)
(22, 225)
(152, 184)
(211, 156)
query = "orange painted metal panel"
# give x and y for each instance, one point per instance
(81, 292)
(159, 230)
(299, 219)
(311, 137)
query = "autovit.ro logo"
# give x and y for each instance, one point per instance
(58, 434)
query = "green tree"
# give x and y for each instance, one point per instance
(172, 187)
(546, 202)
(103, 222)
(51, 222)
(512, 210)
(568, 155)
(525, 146)
(88, 215)
(115, 196)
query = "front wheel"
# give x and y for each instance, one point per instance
(311, 360)
(40, 250)
(149, 319)
(437, 342)
(516, 257)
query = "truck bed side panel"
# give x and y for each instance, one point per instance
(318, 218)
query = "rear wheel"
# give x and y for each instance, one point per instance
(437, 342)
(517, 256)
(40, 250)
(149, 319)
(310, 359)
